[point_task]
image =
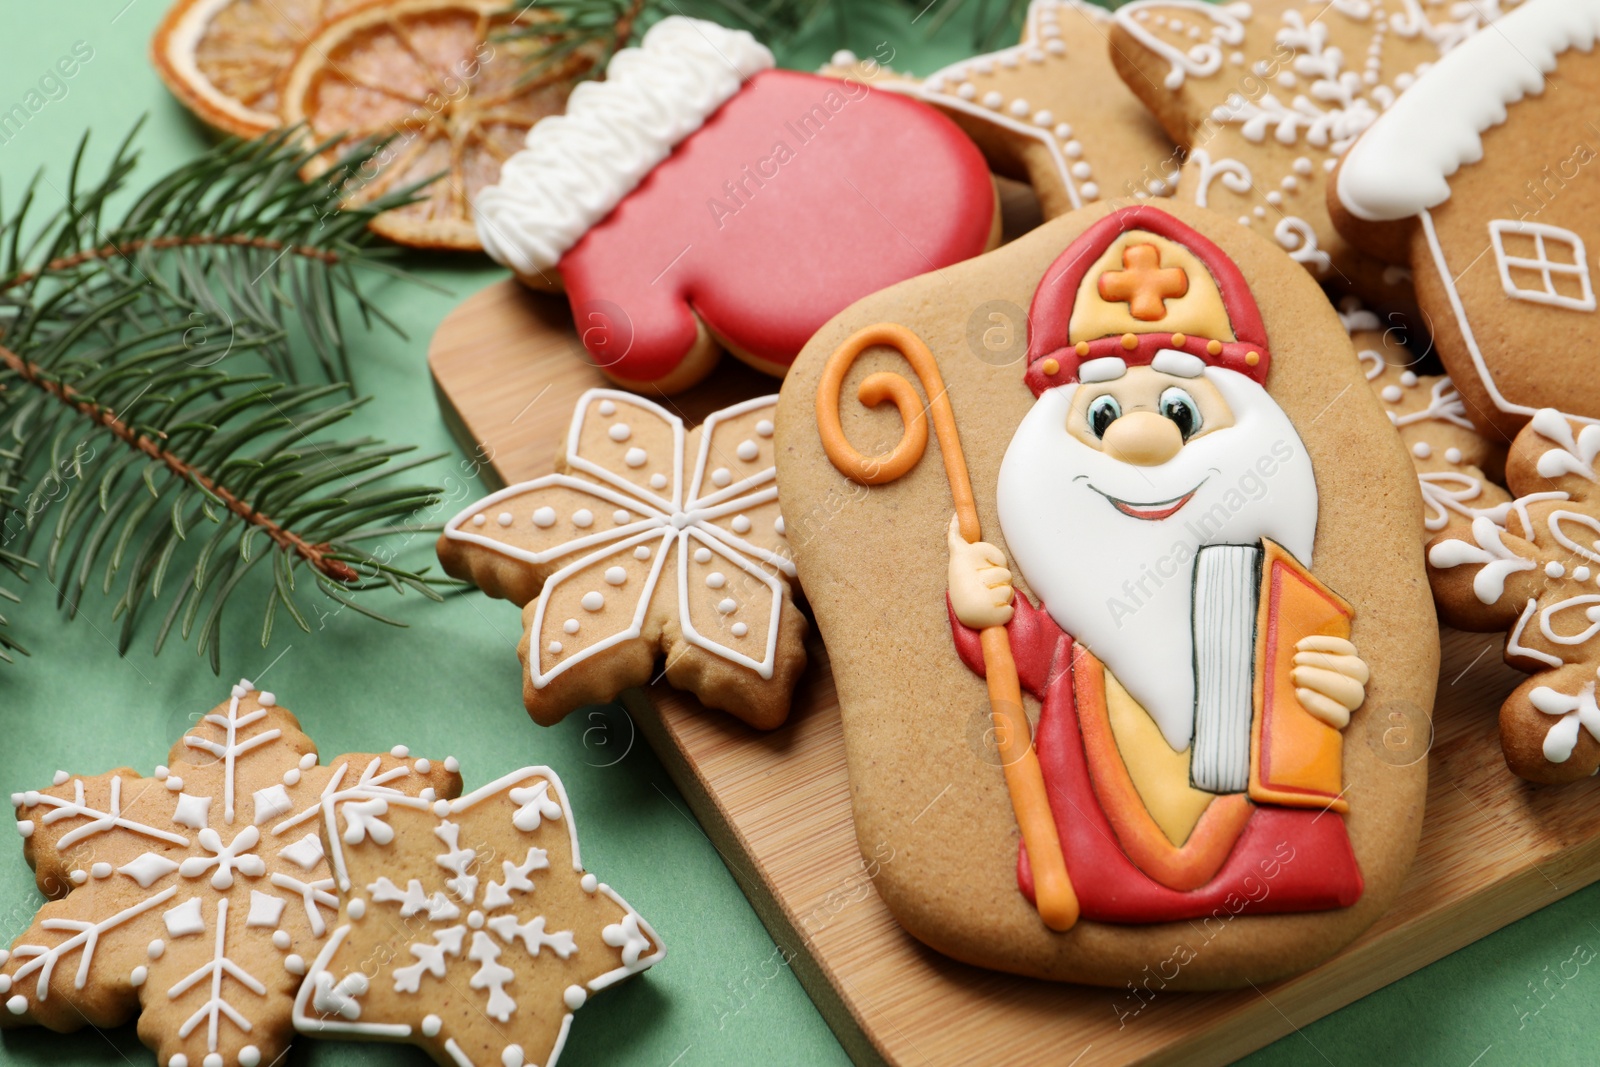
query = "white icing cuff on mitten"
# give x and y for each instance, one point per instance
(578, 166)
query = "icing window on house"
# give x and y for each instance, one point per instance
(1542, 264)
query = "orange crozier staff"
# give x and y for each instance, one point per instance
(1053, 893)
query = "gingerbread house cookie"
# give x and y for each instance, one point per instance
(1473, 181)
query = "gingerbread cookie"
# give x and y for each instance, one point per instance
(1450, 455)
(472, 931)
(1266, 97)
(1473, 181)
(195, 897)
(1202, 591)
(1052, 112)
(698, 200)
(1530, 567)
(652, 542)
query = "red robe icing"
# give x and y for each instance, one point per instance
(876, 188)
(1307, 852)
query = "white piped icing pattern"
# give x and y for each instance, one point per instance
(580, 165)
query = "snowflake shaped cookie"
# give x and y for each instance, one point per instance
(195, 897)
(1532, 568)
(1450, 455)
(653, 542)
(474, 931)
(1052, 110)
(1267, 96)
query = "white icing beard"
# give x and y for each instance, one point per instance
(1122, 585)
(579, 165)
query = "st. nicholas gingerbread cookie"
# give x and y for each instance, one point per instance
(195, 898)
(471, 930)
(1145, 538)
(1532, 568)
(1266, 96)
(654, 549)
(698, 200)
(1475, 181)
(1051, 111)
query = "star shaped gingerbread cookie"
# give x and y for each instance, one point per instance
(195, 897)
(1051, 111)
(1266, 97)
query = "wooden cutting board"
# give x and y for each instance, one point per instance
(508, 369)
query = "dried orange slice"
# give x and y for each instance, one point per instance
(225, 59)
(439, 77)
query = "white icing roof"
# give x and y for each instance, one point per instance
(1401, 166)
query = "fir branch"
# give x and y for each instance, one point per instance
(130, 458)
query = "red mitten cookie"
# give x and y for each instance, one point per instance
(697, 200)
(1476, 180)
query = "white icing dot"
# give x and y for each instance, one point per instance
(570, 626)
(1019, 108)
(619, 432)
(441, 808)
(504, 518)
(574, 997)
(619, 516)
(178, 1060)
(1291, 183)
(764, 427)
(592, 601)
(249, 1056)
(589, 883)
(722, 477)
(637, 457)
(747, 451)
(606, 408)
(479, 520)
(60, 778)
(966, 90)
(1089, 190)
(993, 99)
(1055, 47)
(155, 948)
(1392, 394)
(25, 827)
(1554, 569)
(1302, 166)
(17, 1005)
(267, 700)
(308, 761)
(422, 766)
(174, 783)
(726, 606)
(294, 964)
(101, 870)
(1072, 150)
(583, 518)
(281, 940)
(702, 555)
(357, 909)
(544, 518)
(616, 575)
(1043, 118)
(1580, 574)
(1275, 198)
(1063, 131)
(137, 978)
(1259, 212)
(1453, 455)
(642, 552)
(740, 629)
(512, 1056)
(741, 524)
(78, 877)
(291, 776)
(400, 752)
(431, 1025)
(1422, 450)
(1081, 171)
(1408, 379)
(1244, 220)
(658, 481)
(716, 580)
(213, 1059)
(162, 772)
(778, 525)
(475, 920)
(554, 648)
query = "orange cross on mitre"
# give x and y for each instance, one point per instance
(1145, 286)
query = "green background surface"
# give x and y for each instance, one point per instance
(449, 685)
